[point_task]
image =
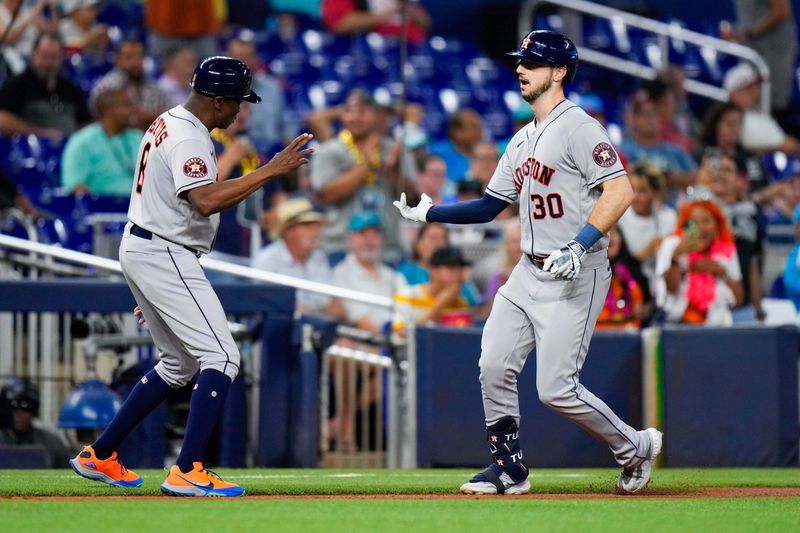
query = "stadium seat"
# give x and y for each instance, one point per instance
(34, 162)
(326, 93)
(128, 16)
(779, 166)
(321, 42)
(597, 35)
(449, 50)
(295, 67)
(85, 70)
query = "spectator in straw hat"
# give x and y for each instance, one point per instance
(295, 252)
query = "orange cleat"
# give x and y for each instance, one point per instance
(111, 471)
(198, 482)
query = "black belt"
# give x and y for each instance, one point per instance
(148, 235)
(537, 260)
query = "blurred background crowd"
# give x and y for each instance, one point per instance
(716, 184)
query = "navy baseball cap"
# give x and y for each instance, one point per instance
(226, 77)
(449, 256)
(364, 220)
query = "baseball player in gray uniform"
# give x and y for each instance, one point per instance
(571, 188)
(173, 219)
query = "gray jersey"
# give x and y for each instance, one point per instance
(175, 156)
(553, 169)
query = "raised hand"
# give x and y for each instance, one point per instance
(418, 213)
(293, 156)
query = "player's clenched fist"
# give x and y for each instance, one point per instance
(566, 262)
(293, 156)
(418, 213)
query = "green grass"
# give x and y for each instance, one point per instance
(440, 516)
(407, 516)
(364, 481)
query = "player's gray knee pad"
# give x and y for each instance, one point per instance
(503, 437)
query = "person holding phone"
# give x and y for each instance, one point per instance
(699, 279)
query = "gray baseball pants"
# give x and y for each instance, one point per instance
(557, 318)
(183, 313)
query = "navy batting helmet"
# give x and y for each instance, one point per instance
(542, 46)
(226, 77)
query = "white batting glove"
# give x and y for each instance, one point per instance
(566, 262)
(418, 213)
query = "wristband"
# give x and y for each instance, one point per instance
(588, 236)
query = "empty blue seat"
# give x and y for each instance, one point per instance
(295, 67)
(34, 162)
(598, 35)
(127, 15)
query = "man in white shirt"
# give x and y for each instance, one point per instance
(647, 221)
(362, 270)
(760, 132)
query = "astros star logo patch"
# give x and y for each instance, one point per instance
(604, 155)
(195, 168)
(525, 44)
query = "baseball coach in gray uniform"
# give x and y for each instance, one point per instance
(172, 220)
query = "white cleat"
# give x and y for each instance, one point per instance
(634, 479)
(494, 481)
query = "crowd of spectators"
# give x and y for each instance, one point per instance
(690, 248)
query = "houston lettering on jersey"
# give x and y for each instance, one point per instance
(159, 130)
(536, 170)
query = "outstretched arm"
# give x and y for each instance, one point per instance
(218, 196)
(469, 212)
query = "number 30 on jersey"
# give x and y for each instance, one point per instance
(544, 206)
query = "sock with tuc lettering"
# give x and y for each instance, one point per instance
(503, 438)
(208, 399)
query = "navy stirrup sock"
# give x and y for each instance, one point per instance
(145, 396)
(503, 437)
(208, 398)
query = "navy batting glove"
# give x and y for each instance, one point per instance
(566, 262)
